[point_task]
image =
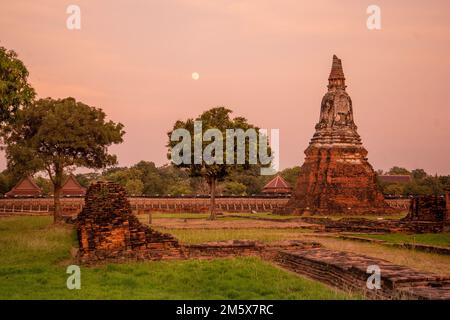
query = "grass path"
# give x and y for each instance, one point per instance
(264, 235)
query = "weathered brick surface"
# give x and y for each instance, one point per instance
(361, 225)
(348, 271)
(337, 180)
(336, 177)
(107, 230)
(234, 248)
(427, 208)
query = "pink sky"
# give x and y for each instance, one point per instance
(267, 60)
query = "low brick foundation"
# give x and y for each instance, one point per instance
(235, 248)
(360, 225)
(427, 208)
(348, 272)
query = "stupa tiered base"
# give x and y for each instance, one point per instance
(336, 180)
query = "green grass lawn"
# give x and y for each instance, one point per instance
(34, 256)
(264, 235)
(436, 239)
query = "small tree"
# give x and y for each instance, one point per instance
(57, 135)
(235, 188)
(212, 171)
(419, 174)
(134, 187)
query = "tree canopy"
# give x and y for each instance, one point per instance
(215, 125)
(15, 91)
(57, 135)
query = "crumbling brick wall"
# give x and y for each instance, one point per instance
(427, 208)
(107, 229)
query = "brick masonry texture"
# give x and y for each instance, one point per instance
(336, 177)
(428, 208)
(360, 225)
(107, 230)
(348, 271)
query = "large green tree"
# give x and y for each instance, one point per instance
(217, 119)
(59, 135)
(15, 91)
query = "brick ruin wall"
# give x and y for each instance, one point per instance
(348, 271)
(361, 225)
(233, 248)
(107, 230)
(428, 208)
(72, 206)
(336, 181)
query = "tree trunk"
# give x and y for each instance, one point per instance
(57, 213)
(213, 200)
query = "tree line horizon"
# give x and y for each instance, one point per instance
(145, 178)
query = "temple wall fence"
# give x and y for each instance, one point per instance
(139, 204)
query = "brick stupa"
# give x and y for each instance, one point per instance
(336, 177)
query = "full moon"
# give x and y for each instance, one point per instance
(195, 76)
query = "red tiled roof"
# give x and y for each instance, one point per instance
(25, 187)
(72, 187)
(277, 185)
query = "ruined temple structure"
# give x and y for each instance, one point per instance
(336, 177)
(428, 208)
(108, 231)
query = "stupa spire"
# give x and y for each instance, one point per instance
(336, 80)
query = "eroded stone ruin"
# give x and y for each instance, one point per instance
(428, 208)
(107, 229)
(336, 177)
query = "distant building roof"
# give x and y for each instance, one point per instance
(397, 178)
(25, 187)
(277, 185)
(72, 187)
